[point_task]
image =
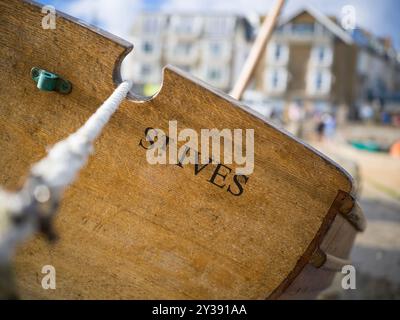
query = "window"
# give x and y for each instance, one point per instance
(147, 47)
(183, 48)
(363, 62)
(186, 25)
(322, 55)
(276, 80)
(319, 81)
(214, 49)
(152, 25)
(278, 53)
(220, 26)
(182, 52)
(303, 28)
(214, 74)
(145, 70)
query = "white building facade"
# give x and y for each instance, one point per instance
(210, 47)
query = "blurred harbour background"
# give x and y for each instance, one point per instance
(330, 75)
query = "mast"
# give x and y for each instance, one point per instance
(257, 50)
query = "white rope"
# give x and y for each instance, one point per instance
(66, 157)
(54, 173)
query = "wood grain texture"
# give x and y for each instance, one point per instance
(133, 230)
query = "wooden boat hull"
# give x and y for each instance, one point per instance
(130, 229)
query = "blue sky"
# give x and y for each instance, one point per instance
(378, 16)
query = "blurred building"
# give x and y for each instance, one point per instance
(310, 59)
(211, 47)
(378, 72)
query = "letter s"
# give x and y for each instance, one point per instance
(238, 184)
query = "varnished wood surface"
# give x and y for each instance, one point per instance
(133, 230)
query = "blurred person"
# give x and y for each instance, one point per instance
(366, 112)
(376, 110)
(385, 117)
(395, 150)
(296, 118)
(329, 127)
(319, 127)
